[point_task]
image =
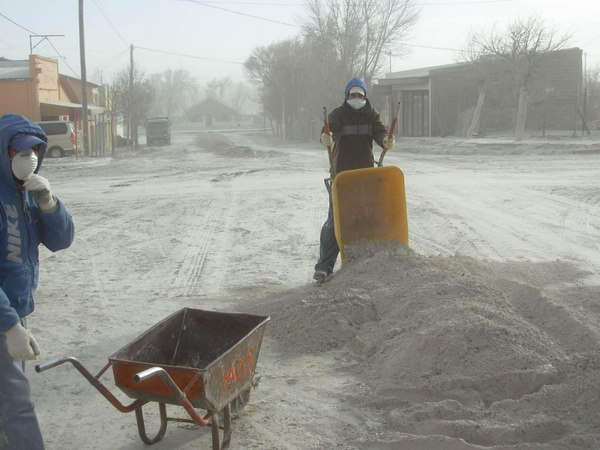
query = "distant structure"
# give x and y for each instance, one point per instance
(210, 111)
(441, 100)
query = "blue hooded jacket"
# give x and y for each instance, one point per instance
(23, 227)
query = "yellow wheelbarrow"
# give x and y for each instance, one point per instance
(369, 204)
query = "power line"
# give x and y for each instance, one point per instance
(211, 4)
(473, 2)
(64, 60)
(189, 56)
(111, 60)
(256, 3)
(466, 2)
(46, 38)
(101, 9)
(242, 14)
(432, 48)
(20, 26)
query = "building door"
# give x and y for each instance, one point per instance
(415, 113)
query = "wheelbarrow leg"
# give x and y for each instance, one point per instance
(226, 429)
(139, 415)
(214, 422)
(211, 417)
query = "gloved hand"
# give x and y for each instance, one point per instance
(388, 142)
(40, 189)
(327, 139)
(21, 343)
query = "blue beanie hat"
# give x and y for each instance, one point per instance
(355, 82)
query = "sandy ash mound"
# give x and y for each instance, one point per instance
(413, 317)
(449, 348)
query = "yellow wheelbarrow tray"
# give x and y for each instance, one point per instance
(369, 204)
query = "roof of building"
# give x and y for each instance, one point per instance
(212, 106)
(424, 72)
(14, 70)
(67, 77)
(421, 72)
(94, 109)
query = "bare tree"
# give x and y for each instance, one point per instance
(282, 74)
(521, 48)
(486, 70)
(216, 88)
(591, 99)
(238, 97)
(132, 98)
(356, 36)
(175, 92)
(340, 39)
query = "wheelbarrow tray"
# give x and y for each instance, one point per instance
(369, 204)
(211, 356)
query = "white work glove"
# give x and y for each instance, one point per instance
(388, 142)
(327, 139)
(21, 343)
(40, 189)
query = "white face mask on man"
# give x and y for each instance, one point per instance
(24, 164)
(356, 103)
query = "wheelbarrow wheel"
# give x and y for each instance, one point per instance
(139, 416)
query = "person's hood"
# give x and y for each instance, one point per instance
(11, 124)
(355, 82)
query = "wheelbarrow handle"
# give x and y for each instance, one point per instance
(94, 381)
(41, 367)
(329, 150)
(390, 133)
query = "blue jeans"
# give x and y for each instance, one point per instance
(329, 250)
(19, 428)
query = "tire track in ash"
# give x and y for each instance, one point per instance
(189, 269)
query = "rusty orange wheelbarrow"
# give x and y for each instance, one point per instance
(193, 358)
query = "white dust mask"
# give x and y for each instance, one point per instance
(24, 164)
(356, 103)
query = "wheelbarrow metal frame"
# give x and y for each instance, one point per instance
(210, 382)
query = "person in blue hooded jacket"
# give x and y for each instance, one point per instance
(353, 126)
(30, 215)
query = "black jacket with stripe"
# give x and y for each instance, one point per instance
(354, 132)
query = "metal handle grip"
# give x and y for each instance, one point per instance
(53, 363)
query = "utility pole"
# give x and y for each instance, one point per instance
(130, 98)
(84, 105)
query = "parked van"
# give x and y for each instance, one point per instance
(61, 138)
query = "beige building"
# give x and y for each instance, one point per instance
(34, 88)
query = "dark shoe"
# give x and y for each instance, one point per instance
(321, 275)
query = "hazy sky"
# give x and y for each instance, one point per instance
(212, 39)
